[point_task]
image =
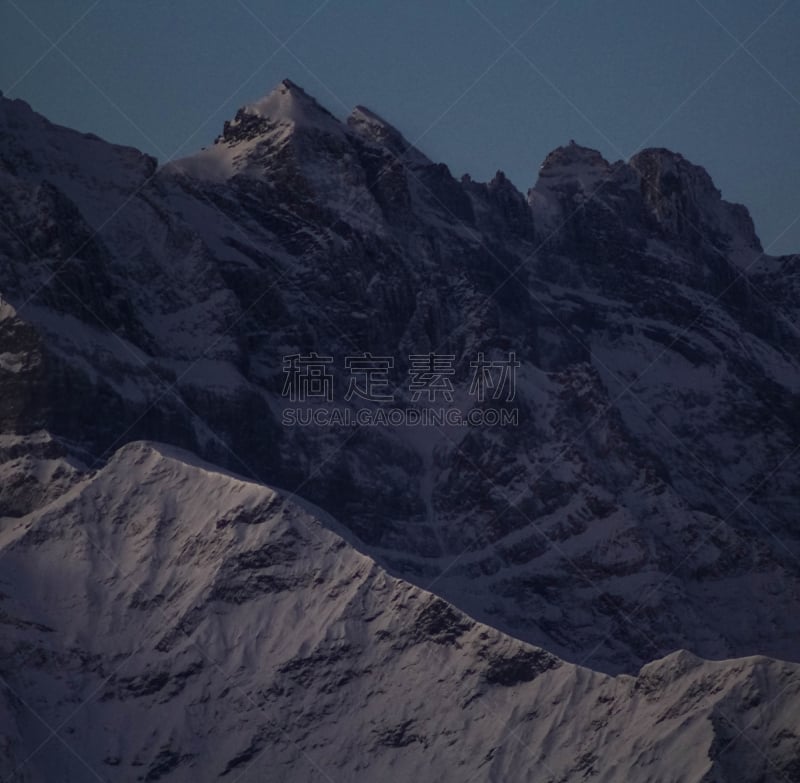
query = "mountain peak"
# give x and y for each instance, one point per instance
(570, 158)
(290, 103)
(661, 163)
(683, 198)
(570, 169)
(258, 127)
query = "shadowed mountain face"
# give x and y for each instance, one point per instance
(645, 501)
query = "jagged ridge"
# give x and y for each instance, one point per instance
(212, 627)
(652, 475)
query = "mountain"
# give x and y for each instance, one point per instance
(644, 503)
(172, 620)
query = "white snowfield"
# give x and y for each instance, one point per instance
(164, 620)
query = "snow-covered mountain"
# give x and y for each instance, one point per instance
(171, 621)
(645, 503)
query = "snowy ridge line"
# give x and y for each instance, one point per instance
(302, 615)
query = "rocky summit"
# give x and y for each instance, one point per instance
(592, 572)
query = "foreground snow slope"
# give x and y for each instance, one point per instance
(173, 622)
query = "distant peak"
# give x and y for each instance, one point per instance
(570, 167)
(268, 124)
(658, 163)
(570, 156)
(290, 103)
(683, 197)
(500, 180)
(665, 172)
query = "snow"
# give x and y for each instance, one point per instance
(603, 478)
(286, 109)
(370, 126)
(289, 103)
(99, 175)
(230, 618)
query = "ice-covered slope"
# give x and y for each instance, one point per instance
(167, 621)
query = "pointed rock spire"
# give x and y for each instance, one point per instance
(290, 103)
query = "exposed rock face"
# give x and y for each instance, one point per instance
(687, 205)
(647, 499)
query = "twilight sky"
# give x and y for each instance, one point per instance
(479, 84)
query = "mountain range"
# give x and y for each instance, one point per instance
(607, 589)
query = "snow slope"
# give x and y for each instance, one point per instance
(167, 621)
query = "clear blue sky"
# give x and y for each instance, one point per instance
(163, 75)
